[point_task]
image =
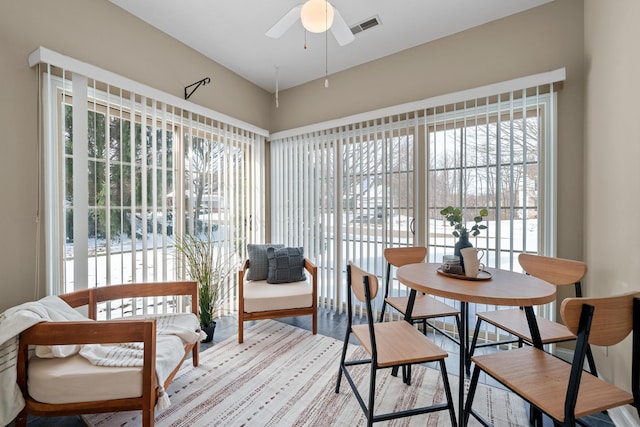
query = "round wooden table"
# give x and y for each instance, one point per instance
(503, 288)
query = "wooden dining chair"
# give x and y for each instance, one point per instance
(561, 390)
(388, 344)
(558, 272)
(425, 307)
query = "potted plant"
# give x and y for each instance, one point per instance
(460, 230)
(211, 268)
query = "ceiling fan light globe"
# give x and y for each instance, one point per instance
(317, 16)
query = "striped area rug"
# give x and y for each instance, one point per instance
(285, 376)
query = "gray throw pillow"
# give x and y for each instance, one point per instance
(258, 262)
(286, 265)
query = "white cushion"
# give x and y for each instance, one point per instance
(262, 296)
(75, 379)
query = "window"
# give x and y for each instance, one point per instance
(350, 188)
(486, 154)
(126, 172)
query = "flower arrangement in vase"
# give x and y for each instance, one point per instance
(460, 230)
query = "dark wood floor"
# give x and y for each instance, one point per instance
(329, 324)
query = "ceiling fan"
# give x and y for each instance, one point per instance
(325, 14)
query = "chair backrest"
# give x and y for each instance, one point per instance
(357, 283)
(403, 256)
(557, 271)
(601, 321)
(612, 317)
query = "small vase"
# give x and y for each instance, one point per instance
(463, 242)
(209, 330)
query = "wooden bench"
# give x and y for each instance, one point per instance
(105, 332)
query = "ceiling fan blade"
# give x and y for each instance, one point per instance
(340, 29)
(280, 27)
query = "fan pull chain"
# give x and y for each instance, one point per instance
(326, 45)
(277, 104)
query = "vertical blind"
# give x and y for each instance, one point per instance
(345, 194)
(128, 169)
(347, 189)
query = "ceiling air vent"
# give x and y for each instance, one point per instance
(365, 25)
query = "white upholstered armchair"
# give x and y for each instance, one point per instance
(274, 283)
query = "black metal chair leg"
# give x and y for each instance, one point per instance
(342, 359)
(458, 324)
(406, 374)
(474, 341)
(372, 395)
(394, 371)
(535, 417)
(386, 293)
(470, 395)
(384, 306)
(447, 391)
(592, 362)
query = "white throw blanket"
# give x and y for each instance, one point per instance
(172, 331)
(14, 321)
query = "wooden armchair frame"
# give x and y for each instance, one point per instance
(244, 316)
(105, 332)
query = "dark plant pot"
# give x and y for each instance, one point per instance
(209, 331)
(463, 242)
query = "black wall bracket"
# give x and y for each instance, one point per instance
(188, 93)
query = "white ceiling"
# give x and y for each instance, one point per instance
(232, 32)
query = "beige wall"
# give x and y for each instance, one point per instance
(612, 150)
(538, 40)
(102, 34)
